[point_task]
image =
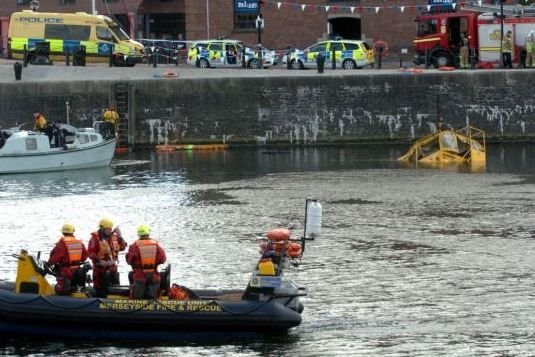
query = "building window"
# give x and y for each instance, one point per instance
(67, 2)
(245, 13)
(23, 2)
(106, 1)
(244, 22)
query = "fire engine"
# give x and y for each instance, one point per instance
(438, 38)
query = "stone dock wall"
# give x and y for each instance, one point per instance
(312, 109)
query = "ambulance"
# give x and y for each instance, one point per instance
(66, 32)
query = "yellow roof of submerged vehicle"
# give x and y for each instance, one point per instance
(465, 145)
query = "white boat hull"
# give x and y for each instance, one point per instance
(58, 159)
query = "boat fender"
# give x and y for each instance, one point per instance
(177, 292)
(70, 146)
(446, 69)
(278, 234)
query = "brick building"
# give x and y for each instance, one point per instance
(295, 23)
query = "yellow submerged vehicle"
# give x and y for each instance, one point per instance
(465, 145)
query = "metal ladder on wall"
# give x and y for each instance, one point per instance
(121, 101)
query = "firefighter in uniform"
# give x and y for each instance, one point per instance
(464, 51)
(144, 256)
(104, 247)
(507, 50)
(67, 256)
(111, 119)
(530, 49)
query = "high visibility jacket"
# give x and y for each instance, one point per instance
(111, 116)
(147, 252)
(75, 250)
(68, 254)
(40, 123)
(507, 44)
(105, 248)
(104, 252)
(530, 44)
(144, 256)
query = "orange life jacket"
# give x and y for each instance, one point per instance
(74, 249)
(147, 252)
(104, 252)
(107, 251)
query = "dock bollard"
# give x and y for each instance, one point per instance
(320, 62)
(333, 59)
(25, 57)
(17, 66)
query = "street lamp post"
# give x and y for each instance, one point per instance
(34, 5)
(501, 33)
(259, 23)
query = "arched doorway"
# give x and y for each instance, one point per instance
(345, 26)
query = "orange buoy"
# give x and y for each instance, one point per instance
(170, 74)
(121, 150)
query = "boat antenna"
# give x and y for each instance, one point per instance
(67, 110)
(439, 124)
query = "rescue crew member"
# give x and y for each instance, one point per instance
(104, 247)
(464, 51)
(530, 49)
(40, 123)
(111, 119)
(144, 256)
(507, 50)
(67, 256)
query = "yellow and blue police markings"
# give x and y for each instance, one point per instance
(66, 46)
(104, 48)
(359, 55)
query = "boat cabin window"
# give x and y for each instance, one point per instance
(93, 138)
(84, 139)
(31, 144)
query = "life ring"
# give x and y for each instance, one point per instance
(411, 70)
(446, 68)
(380, 44)
(170, 74)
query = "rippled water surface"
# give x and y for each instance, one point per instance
(411, 262)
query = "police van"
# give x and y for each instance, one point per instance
(228, 53)
(67, 32)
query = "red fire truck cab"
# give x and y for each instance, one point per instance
(438, 36)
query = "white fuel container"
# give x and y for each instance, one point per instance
(313, 219)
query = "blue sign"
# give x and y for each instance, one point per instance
(246, 6)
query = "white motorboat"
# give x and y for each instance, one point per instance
(24, 151)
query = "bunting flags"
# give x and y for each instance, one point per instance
(360, 9)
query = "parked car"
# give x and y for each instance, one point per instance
(349, 54)
(167, 51)
(228, 53)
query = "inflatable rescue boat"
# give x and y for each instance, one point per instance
(269, 304)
